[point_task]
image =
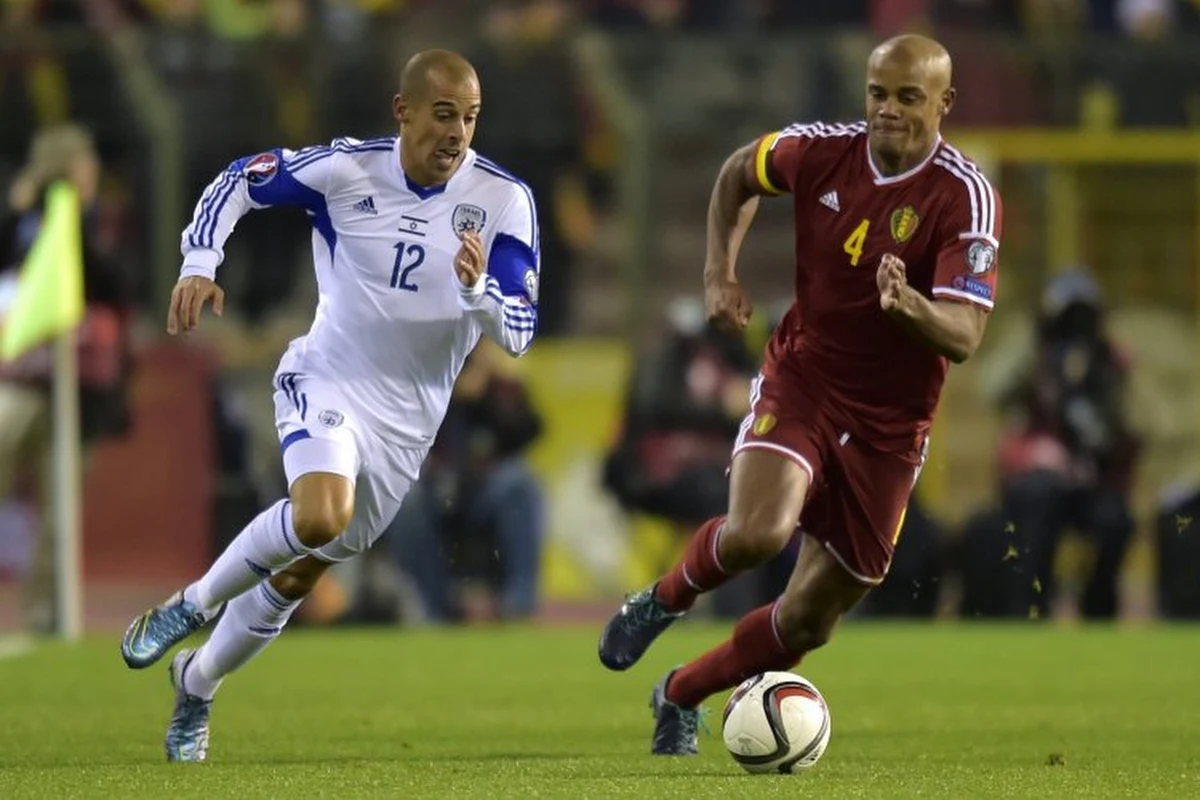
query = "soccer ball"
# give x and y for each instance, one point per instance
(776, 722)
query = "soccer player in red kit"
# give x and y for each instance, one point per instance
(896, 241)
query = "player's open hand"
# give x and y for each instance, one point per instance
(468, 263)
(728, 305)
(187, 301)
(891, 279)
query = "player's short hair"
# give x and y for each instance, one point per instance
(415, 75)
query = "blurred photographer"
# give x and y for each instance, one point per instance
(686, 398)
(469, 535)
(1067, 461)
(685, 401)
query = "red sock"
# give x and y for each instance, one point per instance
(697, 572)
(754, 647)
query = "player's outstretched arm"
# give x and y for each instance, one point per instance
(731, 210)
(948, 327)
(272, 178)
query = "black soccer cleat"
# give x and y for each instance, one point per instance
(631, 631)
(675, 727)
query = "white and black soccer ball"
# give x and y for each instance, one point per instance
(776, 722)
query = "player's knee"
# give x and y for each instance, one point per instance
(319, 523)
(802, 628)
(753, 538)
(322, 505)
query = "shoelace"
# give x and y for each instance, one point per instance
(182, 623)
(643, 610)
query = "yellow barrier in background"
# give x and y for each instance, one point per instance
(577, 386)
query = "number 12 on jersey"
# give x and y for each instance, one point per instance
(408, 258)
(853, 246)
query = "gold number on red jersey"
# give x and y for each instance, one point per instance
(855, 242)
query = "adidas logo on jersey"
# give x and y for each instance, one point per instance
(366, 206)
(830, 200)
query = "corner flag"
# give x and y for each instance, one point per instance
(49, 296)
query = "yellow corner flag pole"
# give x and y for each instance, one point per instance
(49, 304)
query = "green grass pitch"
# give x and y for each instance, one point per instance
(947, 711)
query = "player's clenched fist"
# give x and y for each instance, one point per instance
(468, 264)
(728, 305)
(187, 301)
(891, 280)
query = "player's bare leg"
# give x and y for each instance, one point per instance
(318, 510)
(767, 492)
(773, 637)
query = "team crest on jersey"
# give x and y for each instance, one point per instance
(261, 169)
(467, 218)
(981, 256)
(764, 424)
(330, 418)
(904, 223)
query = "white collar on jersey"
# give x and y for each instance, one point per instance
(884, 180)
(426, 192)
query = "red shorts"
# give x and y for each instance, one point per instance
(857, 495)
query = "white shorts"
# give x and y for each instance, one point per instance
(320, 431)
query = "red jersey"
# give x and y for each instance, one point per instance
(942, 218)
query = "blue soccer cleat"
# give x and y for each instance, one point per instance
(631, 631)
(675, 727)
(150, 636)
(187, 735)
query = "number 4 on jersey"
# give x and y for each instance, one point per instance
(855, 242)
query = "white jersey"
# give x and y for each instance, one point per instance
(393, 323)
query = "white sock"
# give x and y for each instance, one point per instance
(263, 547)
(251, 621)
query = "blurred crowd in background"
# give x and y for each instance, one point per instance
(617, 113)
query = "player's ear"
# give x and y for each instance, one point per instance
(399, 109)
(948, 100)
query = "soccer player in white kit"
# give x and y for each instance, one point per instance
(420, 247)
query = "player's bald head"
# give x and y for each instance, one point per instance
(908, 94)
(431, 68)
(919, 56)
